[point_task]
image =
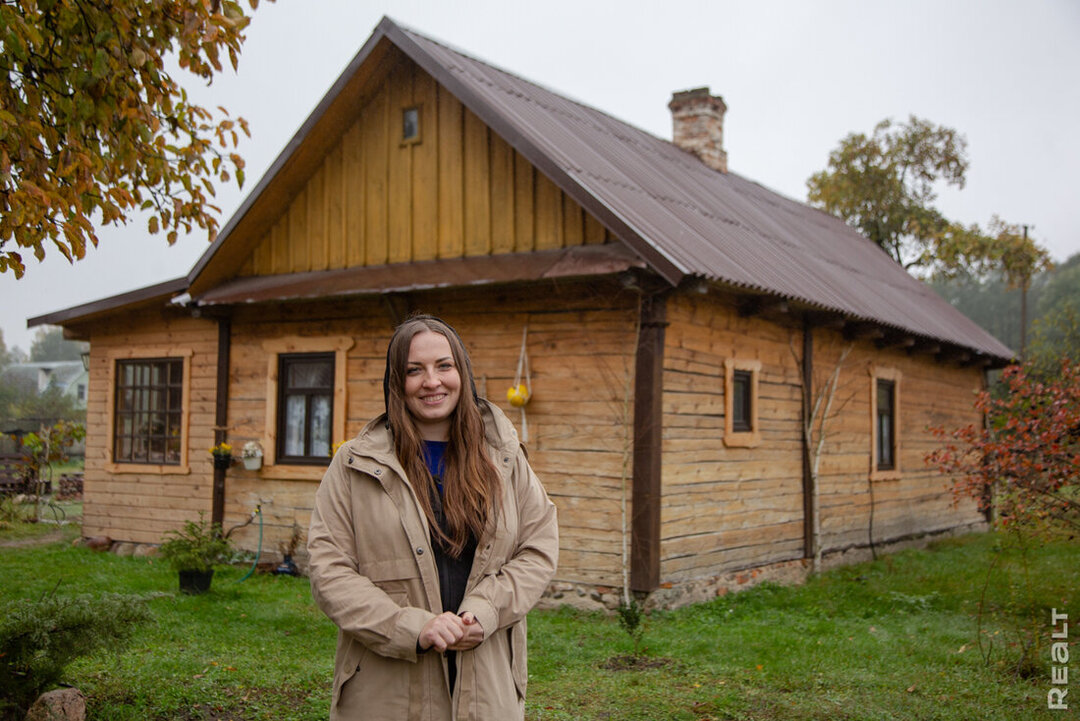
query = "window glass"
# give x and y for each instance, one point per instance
(741, 401)
(410, 124)
(305, 407)
(148, 411)
(321, 417)
(886, 422)
(295, 421)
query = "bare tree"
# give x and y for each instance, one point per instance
(817, 413)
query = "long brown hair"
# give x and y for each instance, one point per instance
(471, 484)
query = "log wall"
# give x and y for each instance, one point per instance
(728, 506)
(860, 505)
(725, 506)
(135, 502)
(580, 344)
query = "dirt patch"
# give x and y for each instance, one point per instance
(636, 663)
(43, 540)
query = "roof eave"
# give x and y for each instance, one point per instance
(166, 289)
(996, 357)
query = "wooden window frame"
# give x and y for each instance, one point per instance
(893, 376)
(339, 346)
(735, 437)
(141, 390)
(148, 354)
(284, 360)
(742, 407)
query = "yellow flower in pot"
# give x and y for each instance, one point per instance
(222, 455)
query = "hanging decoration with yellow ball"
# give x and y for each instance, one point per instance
(520, 393)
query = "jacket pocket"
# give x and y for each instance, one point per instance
(379, 688)
(395, 576)
(347, 667)
(519, 662)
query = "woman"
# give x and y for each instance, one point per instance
(430, 540)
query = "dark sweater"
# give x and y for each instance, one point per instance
(453, 570)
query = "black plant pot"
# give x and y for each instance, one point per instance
(195, 582)
(222, 462)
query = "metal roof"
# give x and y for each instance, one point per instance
(149, 294)
(688, 219)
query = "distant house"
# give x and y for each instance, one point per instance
(673, 314)
(71, 377)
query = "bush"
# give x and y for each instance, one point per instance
(632, 620)
(198, 546)
(38, 639)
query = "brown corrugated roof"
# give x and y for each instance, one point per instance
(687, 219)
(152, 293)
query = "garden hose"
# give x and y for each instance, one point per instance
(258, 552)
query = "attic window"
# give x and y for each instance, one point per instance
(410, 125)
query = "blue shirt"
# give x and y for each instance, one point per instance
(435, 458)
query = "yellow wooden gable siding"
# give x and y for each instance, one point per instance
(460, 191)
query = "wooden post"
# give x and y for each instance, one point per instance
(221, 415)
(808, 477)
(648, 424)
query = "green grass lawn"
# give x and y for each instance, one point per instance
(15, 518)
(897, 638)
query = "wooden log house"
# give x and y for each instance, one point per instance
(680, 322)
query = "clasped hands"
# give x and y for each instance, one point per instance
(450, 632)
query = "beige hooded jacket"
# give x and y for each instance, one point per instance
(373, 573)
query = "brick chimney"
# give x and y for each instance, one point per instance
(698, 122)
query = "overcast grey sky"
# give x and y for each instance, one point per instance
(796, 76)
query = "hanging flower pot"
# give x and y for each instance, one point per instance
(251, 455)
(222, 454)
(519, 394)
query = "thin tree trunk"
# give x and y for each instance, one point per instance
(627, 457)
(819, 416)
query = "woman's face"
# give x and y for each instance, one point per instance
(432, 385)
